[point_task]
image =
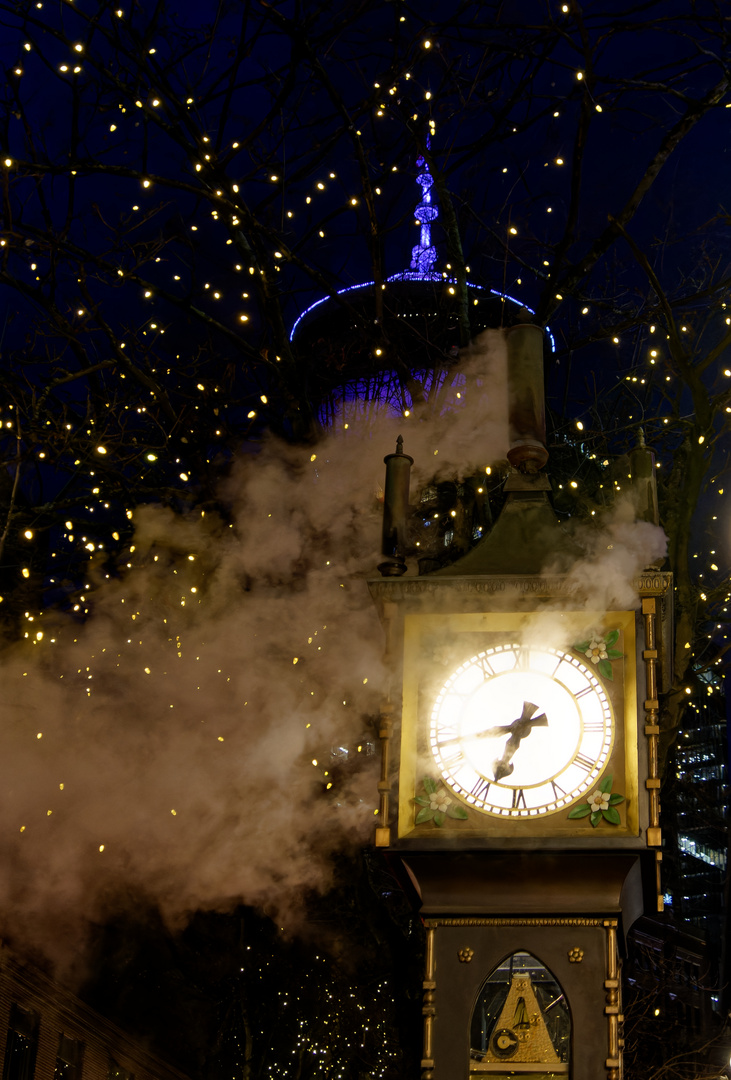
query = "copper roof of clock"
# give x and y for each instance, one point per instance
(526, 539)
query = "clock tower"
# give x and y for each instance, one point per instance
(519, 790)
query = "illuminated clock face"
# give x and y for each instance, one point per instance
(519, 731)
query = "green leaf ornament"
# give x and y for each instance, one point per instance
(605, 670)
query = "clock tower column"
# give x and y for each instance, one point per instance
(519, 792)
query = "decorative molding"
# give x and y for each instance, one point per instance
(574, 920)
(547, 586)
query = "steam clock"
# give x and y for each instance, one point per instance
(519, 791)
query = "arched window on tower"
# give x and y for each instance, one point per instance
(521, 1023)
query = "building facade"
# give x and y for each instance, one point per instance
(46, 1033)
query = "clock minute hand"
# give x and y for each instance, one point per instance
(518, 730)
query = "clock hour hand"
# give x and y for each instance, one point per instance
(518, 730)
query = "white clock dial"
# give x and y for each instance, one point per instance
(521, 731)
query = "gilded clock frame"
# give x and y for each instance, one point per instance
(464, 635)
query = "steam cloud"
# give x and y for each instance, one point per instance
(166, 746)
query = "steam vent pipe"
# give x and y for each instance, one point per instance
(644, 482)
(395, 508)
(526, 401)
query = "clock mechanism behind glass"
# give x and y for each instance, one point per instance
(520, 1023)
(521, 731)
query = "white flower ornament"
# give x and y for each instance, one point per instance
(597, 651)
(436, 806)
(601, 805)
(599, 800)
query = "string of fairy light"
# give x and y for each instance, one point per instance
(224, 213)
(347, 1025)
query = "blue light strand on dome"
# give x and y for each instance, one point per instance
(347, 289)
(413, 275)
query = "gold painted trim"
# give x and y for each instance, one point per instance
(613, 1005)
(385, 731)
(574, 920)
(652, 723)
(428, 1008)
(419, 625)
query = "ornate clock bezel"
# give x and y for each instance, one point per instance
(574, 752)
(436, 645)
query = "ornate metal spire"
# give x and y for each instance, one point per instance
(424, 254)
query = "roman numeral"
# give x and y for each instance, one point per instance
(557, 791)
(518, 798)
(487, 670)
(453, 759)
(584, 762)
(481, 788)
(522, 660)
(584, 692)
(594, 725)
